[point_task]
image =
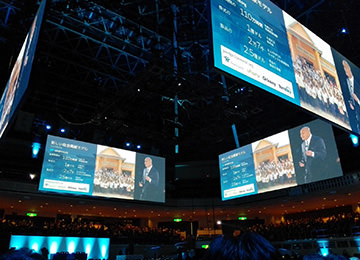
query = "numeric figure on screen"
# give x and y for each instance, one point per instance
(353, 97)
(313, 151)
(150, 181)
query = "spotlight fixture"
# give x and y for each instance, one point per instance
(35, 149)
(344, 30)
(354, 140)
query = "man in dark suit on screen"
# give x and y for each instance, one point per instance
(352, 97)
(313, 155)
(149, 182)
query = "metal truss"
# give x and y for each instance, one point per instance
(104, 45)
(6, 10)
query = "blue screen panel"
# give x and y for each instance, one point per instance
(68, 166)
(250, 42)
(258, 42)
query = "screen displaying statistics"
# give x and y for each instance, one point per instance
(297, 156)
(20, 74)
(258, 42)
(82, 168)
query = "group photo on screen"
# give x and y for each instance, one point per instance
(274, 167)
(315, 72)
(114, 173)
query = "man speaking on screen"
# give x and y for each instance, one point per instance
(149, 182)
(352, 95)
(313, 155)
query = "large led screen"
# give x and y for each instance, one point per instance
(258, 42)
(20, 74)
(76, 167)
(297, 156)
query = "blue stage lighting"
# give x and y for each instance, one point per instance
(344, 30)
(354, 140)
(138, 146)
(127, 144)
(35, 149)
(48, 127)
(62, 130)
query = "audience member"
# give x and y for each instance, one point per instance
(21, 254)
(246, 246)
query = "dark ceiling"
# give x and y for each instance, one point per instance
(105, 71)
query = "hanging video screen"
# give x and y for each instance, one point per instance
(301, 155)
(20, 74)
(258, 42)
(76, 167)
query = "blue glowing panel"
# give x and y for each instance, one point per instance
(20, 74)
(36, 242)
(72, 245)
(88, 245)
(104, 247)
(96, 248)
(53, 244)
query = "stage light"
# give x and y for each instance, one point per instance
(138, 147)
(62, 130)
(48, 127)
(127, 144)
(35, 149)
(354, 140)
(344, 30)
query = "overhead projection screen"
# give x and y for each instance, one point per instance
(280, 161)
(20, 74)
(258, 42)
(81, 168)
